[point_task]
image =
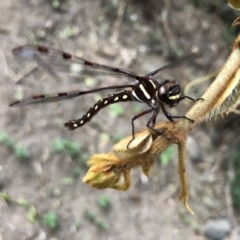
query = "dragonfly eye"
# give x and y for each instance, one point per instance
(171, 88)
(174, 92)
(169, 92)
(174, 89)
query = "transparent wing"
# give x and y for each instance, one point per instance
(48, 98)
(67, 63)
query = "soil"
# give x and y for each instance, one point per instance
(132, 35)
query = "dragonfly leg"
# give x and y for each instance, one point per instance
(190, 98)
(133, 119)
(151, 123)
(170, 117)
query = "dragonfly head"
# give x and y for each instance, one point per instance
(169, 92)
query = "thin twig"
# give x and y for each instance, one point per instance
(5, 69)
(119, 20)
(228, 200)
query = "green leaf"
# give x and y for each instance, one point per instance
(104, 137)
(32, 215)
(116, 110)
(101, 224)
(6, 197)
(89, 215)
(82, 160)
(104, 202)
(73, 148)
(50, 220)
(67, 181)
(76, 171)
(21, 152)
(166, 156)
(23, 202)
(6, 139)
(58, 145)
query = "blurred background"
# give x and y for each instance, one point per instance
(42, 164)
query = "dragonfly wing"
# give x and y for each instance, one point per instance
(48, 98)
(67, 63)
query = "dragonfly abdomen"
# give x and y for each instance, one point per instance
(121, 96)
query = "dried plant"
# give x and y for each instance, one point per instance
(112, 170)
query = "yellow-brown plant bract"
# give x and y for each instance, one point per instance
(112, 170)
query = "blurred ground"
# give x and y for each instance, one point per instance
(134, 35)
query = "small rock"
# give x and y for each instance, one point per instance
(217, 229)
(193, 150)
(238, 237)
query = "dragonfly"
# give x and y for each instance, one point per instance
(145, 89)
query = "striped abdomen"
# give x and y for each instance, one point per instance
(122, 96)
